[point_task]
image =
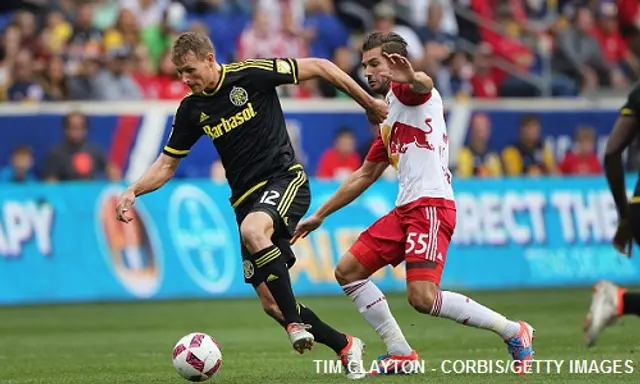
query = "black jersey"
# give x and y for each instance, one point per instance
(632, 106)
(244, 119)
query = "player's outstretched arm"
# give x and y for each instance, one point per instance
(158, 174)
(310, 68)
(354, 186)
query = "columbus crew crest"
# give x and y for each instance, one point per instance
(238, 96)
(248, 269)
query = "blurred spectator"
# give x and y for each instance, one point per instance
(259, 41)
(421, 13)
(385, 21)
(105, 13)
(629, 19)
(115, 82)
(582, 159)
(432, 30)
(75, 158)
(613, 46)
(86, 40)
(530, 155)
(345, 59)
(27, 24)
(54, 81)
(81, 85)
(56, 33)
(163, 85)
(454, 78)
(147, 12)
(482, 81)
(21, 166)
(124, 34)
(477, 158)
(339, 162)
(8, 53)
(325, 31)
(296, 38)
(438, 45)
(23, 87)
(579, 56)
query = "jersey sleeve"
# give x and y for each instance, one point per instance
(407, 96)
(184, 133)
(273, 72)
(377, 152)
(632, 106)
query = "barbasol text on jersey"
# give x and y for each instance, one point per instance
(227, 124)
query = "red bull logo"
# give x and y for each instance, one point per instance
(402, 134)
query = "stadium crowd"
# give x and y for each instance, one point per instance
(119, 50)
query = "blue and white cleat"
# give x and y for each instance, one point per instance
(520, 347)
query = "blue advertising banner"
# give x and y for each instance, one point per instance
(62, 243)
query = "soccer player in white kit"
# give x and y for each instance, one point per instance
(413, 139)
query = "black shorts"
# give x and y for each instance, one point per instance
(286, 199)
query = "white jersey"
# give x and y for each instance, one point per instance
(414, 136)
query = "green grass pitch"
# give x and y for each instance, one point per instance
(132, 342)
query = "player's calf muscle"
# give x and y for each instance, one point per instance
(269, 304)
(256, 230)
(422, 295)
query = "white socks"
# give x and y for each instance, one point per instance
(372, 304)
(463, 310)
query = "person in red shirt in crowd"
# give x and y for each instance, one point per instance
(614, 47)
(482, 81)
(342, 160)
(582, 160)
(164, 85)
(629, 20)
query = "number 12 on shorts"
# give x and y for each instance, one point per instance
(269, 197)
(421, 244)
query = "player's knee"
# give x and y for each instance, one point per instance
(422, 298)
(254, 235)
(349, 270)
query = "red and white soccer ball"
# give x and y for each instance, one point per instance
(197, 357)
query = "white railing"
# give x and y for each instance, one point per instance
(317, 106)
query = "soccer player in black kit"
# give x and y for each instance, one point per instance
(237, 107)
(609, 302)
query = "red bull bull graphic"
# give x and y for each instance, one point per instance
(398, 137)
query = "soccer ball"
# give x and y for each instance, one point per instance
(197, 356)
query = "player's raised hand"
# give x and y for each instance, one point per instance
(124, 205)
(400, 69)
(623, 239)
(305, 227)
(377, 112)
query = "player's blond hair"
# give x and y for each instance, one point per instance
(191, 42)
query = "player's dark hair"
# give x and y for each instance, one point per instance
(194, 42)
(390, 43)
